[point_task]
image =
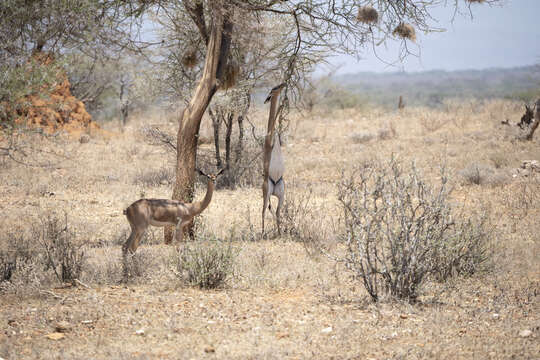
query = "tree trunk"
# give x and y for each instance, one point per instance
(216, 124)
(240, 145)
(240, 120)
(217, 52)
(536, 122)
(228, 132)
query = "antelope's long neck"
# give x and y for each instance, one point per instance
(199, 206)
(272, 116)
(270, 134)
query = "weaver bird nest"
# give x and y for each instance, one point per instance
(367, 15)
(189, 59)
(405, 31)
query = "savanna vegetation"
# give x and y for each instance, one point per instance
(406, 233)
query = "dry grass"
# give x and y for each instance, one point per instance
(280, 301)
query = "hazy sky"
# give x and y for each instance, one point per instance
(496, 36)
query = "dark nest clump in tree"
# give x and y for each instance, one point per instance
(476, 1)
(405, 31)
(230, 76)
(189, 59)
(367, 15)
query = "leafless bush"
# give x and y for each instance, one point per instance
(300, 219)
(206, 264)
(23, 265)
(431, 123)
(63, 253)
(103, 267)
(297, 211)
(244, 171)
(500, 160)
(155, 177)
(155, 136)
(385, 133)
(399, 231)
(362, 137)
(138, 264)
(15, 252)
(480, 174)
(465, 251)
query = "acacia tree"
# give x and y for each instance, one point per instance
(319, 27)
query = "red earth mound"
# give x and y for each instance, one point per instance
(55, 109)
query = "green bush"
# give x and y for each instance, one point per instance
(17, 82)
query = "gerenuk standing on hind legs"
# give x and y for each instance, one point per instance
(273, 165)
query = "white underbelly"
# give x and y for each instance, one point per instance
(160, 223)
(277, 166)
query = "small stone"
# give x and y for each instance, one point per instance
(55, 336)
(87, 322)
(327, 330)
(403, 316)
(62, 326)
(139, 332)
(495, 316)
(525, 333)
(84, 139)
(282, 335)
(209, 349)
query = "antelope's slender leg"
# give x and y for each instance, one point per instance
(267, 191)
(279, 191)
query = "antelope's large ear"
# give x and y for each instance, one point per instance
(200, 172)
(275, 90)
(219, 172)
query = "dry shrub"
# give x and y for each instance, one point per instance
(138, 265)
(16, 252)
(32, 258)
(480, 174)
(476, 1)
(64, 253)
(206, 264)
(367, 15)
(405, 31)
(466, 251)
(362, 137)
(500, 160)
(298, 220)
(103, 267)
(386, 133)
(246, 171)
(474, 174)
(399, 231)
(154, 177)
(297, 211)
(432, 123)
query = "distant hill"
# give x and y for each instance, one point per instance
(432, 87)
